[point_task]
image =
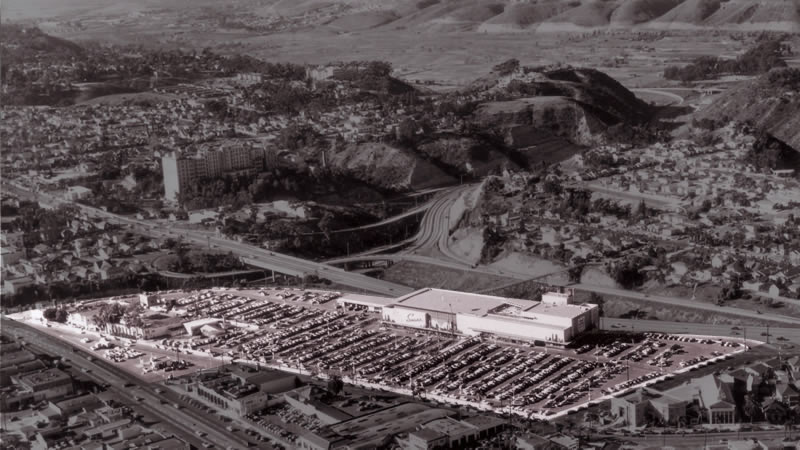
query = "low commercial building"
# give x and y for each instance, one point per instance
(416, 425)
(267, 380)
(555, 319)
(47, 384)
(69, 406)
(363, 302)
(153, 325)
(373, 430)
(30, 387)
(228, 393)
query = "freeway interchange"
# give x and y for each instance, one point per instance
(250, 254)
(428, 246)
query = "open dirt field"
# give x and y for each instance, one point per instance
(423, 275)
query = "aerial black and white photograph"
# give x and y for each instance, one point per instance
(400, 224)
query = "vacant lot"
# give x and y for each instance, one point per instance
(421, 275)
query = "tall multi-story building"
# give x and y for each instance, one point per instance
(179, 172)
(182, 170)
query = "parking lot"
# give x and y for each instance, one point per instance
(303, 331)
(292, 329)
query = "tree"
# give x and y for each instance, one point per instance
(61, 315)
(598, 300)
(575, 273)
(552, 186)
(49, 313)
(751, 408)
(335, 385)
(641, 210)
(182, 252)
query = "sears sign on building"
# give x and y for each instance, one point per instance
(408, 317)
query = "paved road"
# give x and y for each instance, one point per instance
(183, 422)
(434, 231)
(419, 209)
(655, 91)
(655, 201)
(450, 264)
(787, 339)
(675, 301)
(231, 273)
(697, 440)
(250, 254)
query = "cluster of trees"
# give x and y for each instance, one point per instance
(628, 271)
(493, 241)
(603, 160)
(767, 54)
(637, 135)
(300, 136)
(40, 225)
(785, 78)
(730, 291)
(55, 314)
(108, 313)
(186, 262)
(233, 191)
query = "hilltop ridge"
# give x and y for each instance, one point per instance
(484, 16)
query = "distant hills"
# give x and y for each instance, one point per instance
(485, 16)
(553, 15)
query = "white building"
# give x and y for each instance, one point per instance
(181, 171)
(554, 319)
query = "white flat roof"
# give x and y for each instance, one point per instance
(568, 311)
(369, 300)
(442, 300)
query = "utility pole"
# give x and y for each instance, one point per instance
(627, 370)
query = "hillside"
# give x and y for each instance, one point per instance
(485, 16)
(529, 106)
(30, 43)
(634, 12)
(590, 14)
(689, 12)
(770, 102)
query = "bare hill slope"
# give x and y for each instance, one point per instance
(690, 12)
(770, 102)
(450, 15)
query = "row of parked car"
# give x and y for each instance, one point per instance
(302, 295)
(612, 350)
(626, 384)
(120, 354)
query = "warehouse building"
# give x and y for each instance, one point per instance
(554, 319)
